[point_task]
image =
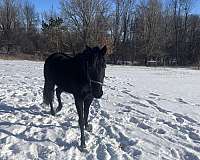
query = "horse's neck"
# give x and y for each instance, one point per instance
(81, 58)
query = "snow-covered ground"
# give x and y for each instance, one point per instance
(144, 114)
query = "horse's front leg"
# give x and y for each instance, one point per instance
(87, 103)
(79, 107)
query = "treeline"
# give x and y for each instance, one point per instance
(161, 31)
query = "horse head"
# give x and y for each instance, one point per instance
(96, 69)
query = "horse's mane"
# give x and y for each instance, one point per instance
(88, 54)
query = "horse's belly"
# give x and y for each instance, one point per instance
(67, 86)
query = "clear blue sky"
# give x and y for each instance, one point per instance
(45, 5)
(196, 7)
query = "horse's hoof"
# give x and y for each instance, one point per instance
(53, 113)
(82, 148)
(88, 128)
(58, 109)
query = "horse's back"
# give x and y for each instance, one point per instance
(65, 71)
(57, 57)
(57, 60)
(57, 65)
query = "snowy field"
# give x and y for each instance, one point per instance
(144, 114)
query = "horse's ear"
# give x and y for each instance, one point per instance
(104, 50)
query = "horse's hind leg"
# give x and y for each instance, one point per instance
(48, 94)
(87, 103)
(51, 102)
(58, 93)
(52, 110)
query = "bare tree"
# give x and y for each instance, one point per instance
(8, 21)
(81, 18)
(150, 28)
(122, 18)
(29, 20)
(30, 17)
(133, 30)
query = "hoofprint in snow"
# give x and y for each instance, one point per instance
(144, 114)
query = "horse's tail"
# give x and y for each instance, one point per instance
(48, 92)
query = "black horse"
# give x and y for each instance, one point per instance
(81, 76)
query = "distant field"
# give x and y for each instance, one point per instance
(19, 56)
